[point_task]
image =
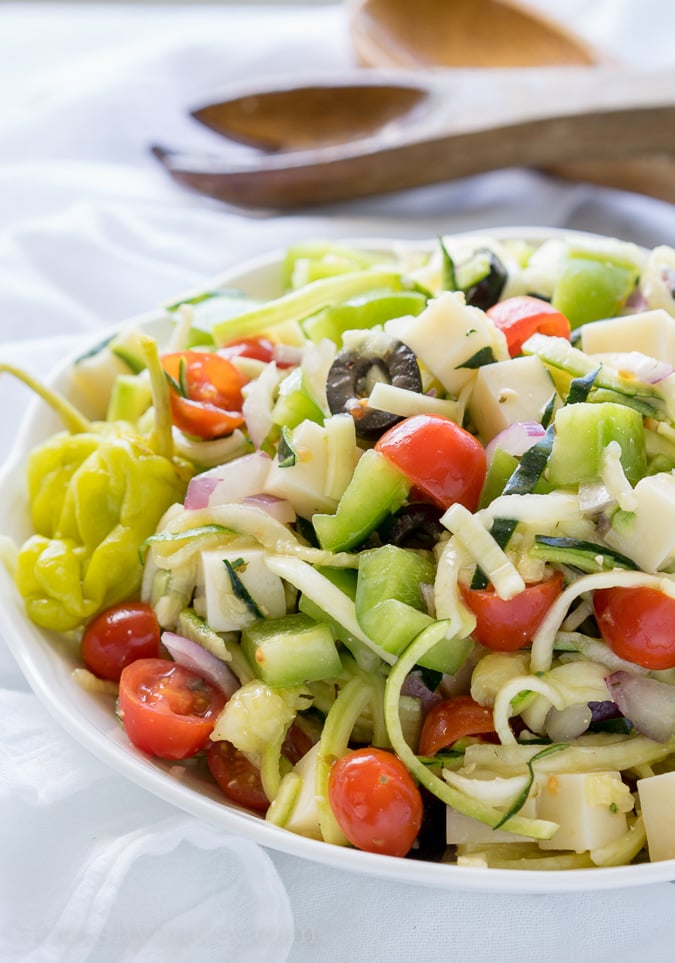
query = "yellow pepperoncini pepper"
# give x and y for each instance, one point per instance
(96, 493)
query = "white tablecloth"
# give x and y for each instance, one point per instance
(93, 868)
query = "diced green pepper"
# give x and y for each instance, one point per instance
(363, 312)
(583, 431)
(389, 603)
(376, 490)
(590, 288)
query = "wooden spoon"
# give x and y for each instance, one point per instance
(454, 124)
(460, 33)
(426, 34)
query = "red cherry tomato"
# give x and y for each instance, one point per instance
(521, 317)
(506, 625)
(119, 636)
(452, 719)
(444, 462)
(209, 402)
(375, 801)
(166, 709)
(236, 775)
(638, 624)
(239, 779)
(258, 348)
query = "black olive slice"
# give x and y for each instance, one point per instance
(414, 526)
(354, 374)
(482, 278)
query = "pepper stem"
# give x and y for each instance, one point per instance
(72, 418)
(163, 433)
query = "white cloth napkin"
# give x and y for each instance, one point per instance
(93, 868)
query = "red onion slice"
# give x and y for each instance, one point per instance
(415, 686)
(516, 439)
(640, 366)
(194, 656)
(649, 704)
(230, 482)
(279, 508)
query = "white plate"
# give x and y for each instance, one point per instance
(47, 666)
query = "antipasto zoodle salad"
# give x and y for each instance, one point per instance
(391, 555)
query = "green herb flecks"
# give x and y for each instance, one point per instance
(238, 587)
(521, 799)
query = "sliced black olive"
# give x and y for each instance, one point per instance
(430, 844)
(354, 374)
(482, 278)
(414, 526)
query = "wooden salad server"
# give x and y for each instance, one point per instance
(373, 132)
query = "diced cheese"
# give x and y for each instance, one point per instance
(401, 401)
(446, 335)
(589, 807)
(304, 819)
(216, 600)
(648, 536)
(657, 799)
(651, 332)
(304, 483)
(461, 829)
(507, 392)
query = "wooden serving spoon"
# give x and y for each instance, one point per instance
(428, 34)
(461, 33)
(379, 132)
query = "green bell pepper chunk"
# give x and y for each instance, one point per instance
(363, 312)
(590, 289)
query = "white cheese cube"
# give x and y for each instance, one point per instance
(304, 819)
(507, 392)
(651, 332)
(446, 335)
(589, 807)
(649, 536)
(304, 483)
(216, 600)
(657, 799)
(461, 829)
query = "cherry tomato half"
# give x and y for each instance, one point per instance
(506, 625)
(258, 347)
(119, 636)
(167, 709)
(210, 401)
(375, 801)
(638, 624)
(522, 316)
(452, 719)
(239, 779)
(445, 463)
(236, 776)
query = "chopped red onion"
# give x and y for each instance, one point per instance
(604, 711)
(415, 686)
(644, 368)
(648, 703)
(230, 482)
(279, 508)
(516, 439)
(194, 656)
